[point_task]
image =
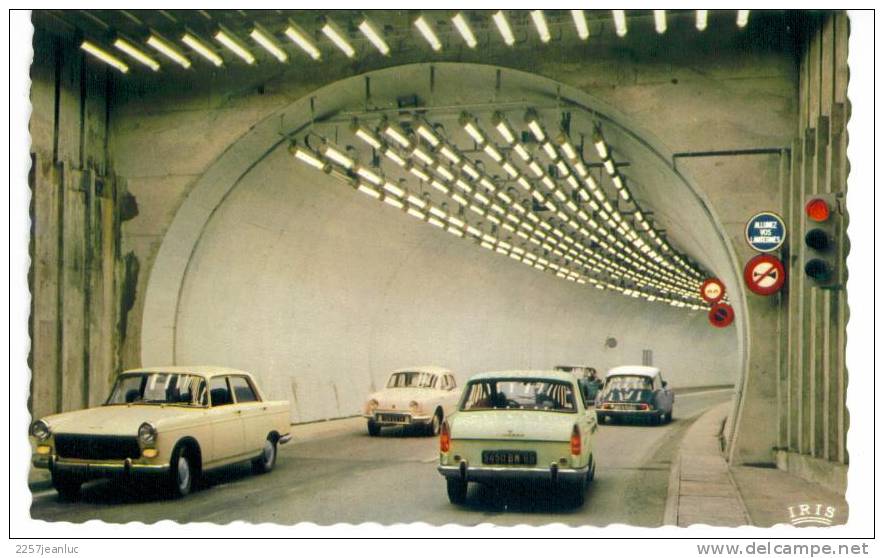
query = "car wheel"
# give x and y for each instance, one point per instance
(373, 428)
(590, 474)
(265, 462)
(181, 473)
(435, 425)
(457, 491)
(67, 486)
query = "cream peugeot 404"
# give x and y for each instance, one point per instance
(420, 395)
(514, 426)
(171, 423)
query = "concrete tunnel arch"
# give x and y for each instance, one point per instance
(191, 306)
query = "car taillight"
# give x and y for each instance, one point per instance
(643, 406)
(445, 438)
(576, 445)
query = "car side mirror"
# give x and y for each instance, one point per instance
(665, 384)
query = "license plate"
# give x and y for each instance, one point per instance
(509, 457)
(393, 418)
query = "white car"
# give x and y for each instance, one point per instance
(419, 395)
(170, 422)
(514, 426)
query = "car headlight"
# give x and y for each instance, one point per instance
(40, 430)
(414, 407)
(371, 405)
(147, 434)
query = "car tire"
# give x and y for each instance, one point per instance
(373, 428)
(457, 491)
(590, 474)
(435, 424)
(181, 473)
(265, 462)
(67, 486)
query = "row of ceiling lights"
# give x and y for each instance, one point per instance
(677, 287)
(334, 33)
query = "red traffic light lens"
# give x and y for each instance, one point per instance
(817, 209)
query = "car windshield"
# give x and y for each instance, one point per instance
(412, 379)
(158, 388)
(627, 382)
(522, 394)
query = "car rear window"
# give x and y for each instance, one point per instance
(526, 394)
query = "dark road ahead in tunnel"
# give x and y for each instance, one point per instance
(345, 476)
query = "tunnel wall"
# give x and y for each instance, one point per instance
(77, 205)
(323, 291)
(812, 390)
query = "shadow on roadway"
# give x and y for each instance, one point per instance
(411, 431)
(143, 491)
(523, 497)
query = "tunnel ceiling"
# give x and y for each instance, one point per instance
(172, 42)
(540, 185)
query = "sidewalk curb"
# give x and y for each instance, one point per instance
(692, 445)
(670, 515)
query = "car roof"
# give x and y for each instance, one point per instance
(634, 370)
(197, 370)
(540, 374)
(428, 368)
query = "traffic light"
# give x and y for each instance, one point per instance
(825, 240)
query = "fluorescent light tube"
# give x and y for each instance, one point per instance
(374, 37)
(580, 23)
(540, 23)
(460, 23)
(234, 46)
(104, 56)
(428, 33)
(202, 49)
(336, 36)
(265, 40)
(620, 22)
(300, 38)
(167, 50)
(136, 53)
(309, 158)
(702, 19)
(504, 27)
(660, 21)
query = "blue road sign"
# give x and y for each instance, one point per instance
(766, 232)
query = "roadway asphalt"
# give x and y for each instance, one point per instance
(344, 476)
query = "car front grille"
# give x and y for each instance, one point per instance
(87, 446)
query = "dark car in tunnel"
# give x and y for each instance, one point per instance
(635, 392)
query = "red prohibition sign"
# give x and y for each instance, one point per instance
(764, 274)
(721, 315)
(712, 290)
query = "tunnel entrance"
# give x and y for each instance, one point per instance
(282, 269)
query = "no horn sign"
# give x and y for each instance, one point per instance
(764, 274)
